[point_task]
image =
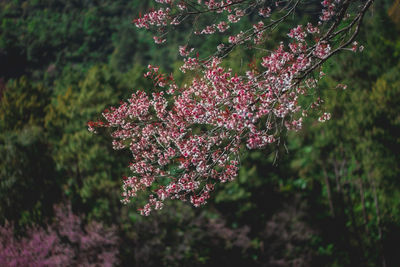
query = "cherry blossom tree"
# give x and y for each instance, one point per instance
(185, 139)
(65, 242)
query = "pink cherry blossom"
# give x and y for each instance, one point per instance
(186, 138)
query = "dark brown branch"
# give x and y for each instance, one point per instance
(357, 21)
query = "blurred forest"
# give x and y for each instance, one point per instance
(331, 197)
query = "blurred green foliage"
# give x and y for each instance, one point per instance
(327, 196)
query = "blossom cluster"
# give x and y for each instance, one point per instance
(154, 18)
(185, 139)
(164, 131)
(65, 242)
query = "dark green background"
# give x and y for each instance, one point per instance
(331, 199)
